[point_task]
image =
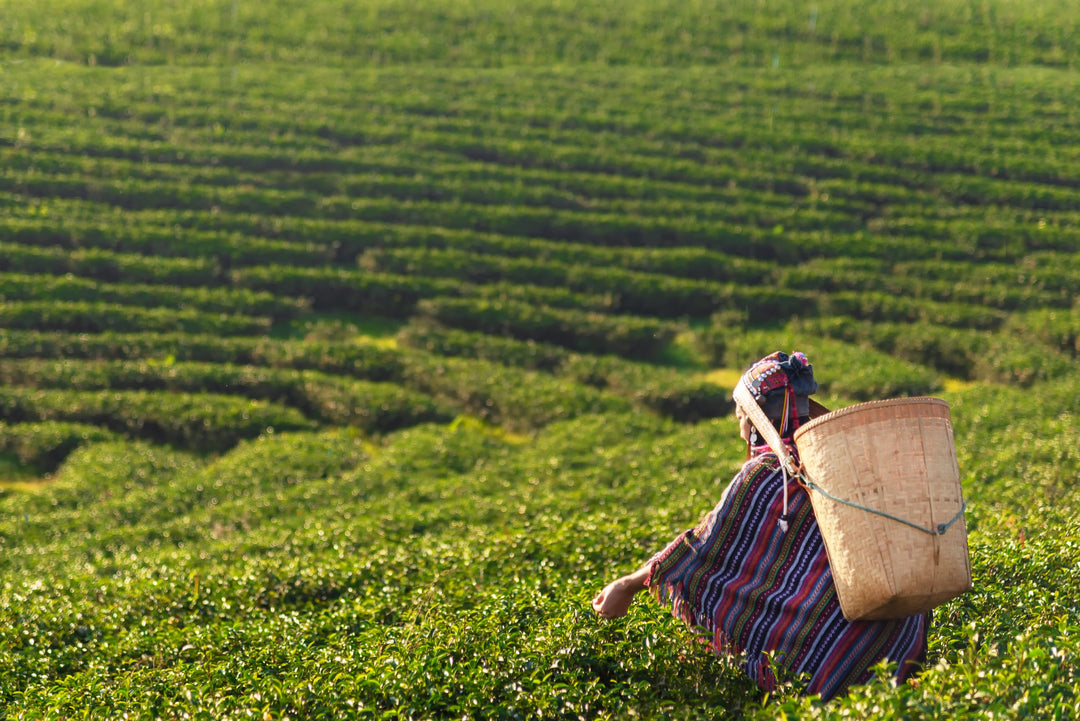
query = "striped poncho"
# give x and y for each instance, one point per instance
(758, 589)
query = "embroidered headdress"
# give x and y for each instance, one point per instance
(781, 384)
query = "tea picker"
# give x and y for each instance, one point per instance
(829, 547)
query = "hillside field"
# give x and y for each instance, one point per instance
(347, 349)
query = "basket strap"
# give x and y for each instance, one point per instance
(788, 464)
(938, 531)
(764, 426)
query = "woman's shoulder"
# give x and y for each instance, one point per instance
(761, 469)
(767, 462)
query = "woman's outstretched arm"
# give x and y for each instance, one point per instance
(614, 601)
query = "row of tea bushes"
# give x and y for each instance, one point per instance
(160, 235)
(953, 351)
(516, 399)
(335, 400)
(587, 332)
(90, 317)
(361, 360)
(668, 392)
(107, 266)
(44, 445)
(994, 285)
(222, 300)
(131, 194)
(341, 289)
(1051, 272)
(456, 343)
(1026, 351)
(1057, 329)
(557, 297)
(203, 422)
(883, 307)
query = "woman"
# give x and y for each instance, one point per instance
(754, 572)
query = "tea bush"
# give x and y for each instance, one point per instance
(153, 239)
(371, 406)
(45, 445)
(330, 289)
(202, 421)
(553, 297)
(107, 266)
(78, 317)
(213, 300)
(363, 360)
(519, 399)
(440, 340)
(635, 337)
(666, 391)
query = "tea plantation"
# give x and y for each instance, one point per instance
(348, 349)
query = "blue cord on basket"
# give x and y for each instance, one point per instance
(941, 527)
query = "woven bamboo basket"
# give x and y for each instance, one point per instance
(885, 487)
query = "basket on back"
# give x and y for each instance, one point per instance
(885, 487)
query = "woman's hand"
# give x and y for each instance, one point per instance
(614, 601)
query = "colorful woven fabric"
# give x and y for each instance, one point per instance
(758, 590)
